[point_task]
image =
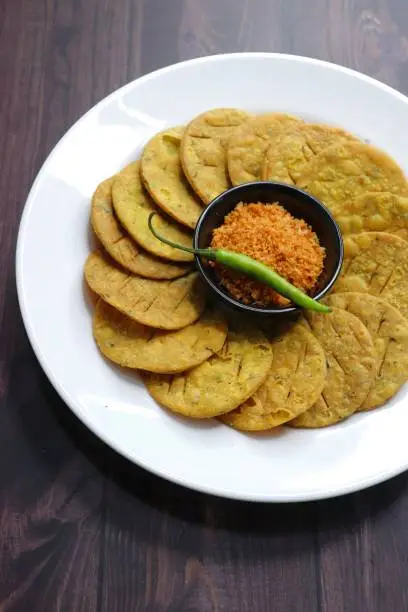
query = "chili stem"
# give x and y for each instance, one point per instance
(208, 253)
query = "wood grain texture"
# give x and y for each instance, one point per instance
(81, 529)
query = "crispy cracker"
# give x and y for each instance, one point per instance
(133, 206)
(249, 143)
(375, 212)
(294, 383)
(203, 150)
(219, 384)
(292, 150)
(345, 171)
(166, 304)
(389, 331)
(351, 365)
(120, 246)
(376, 263)
(164, 179)
(133, 345)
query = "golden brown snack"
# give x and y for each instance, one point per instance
(203, 150)
(248, 145)
(376, 263)
(120, 246)
(375, 212)
(133, 206)
(294, 383)
(164, 179)
(133, 345)
(219, 384)
(345, 171)
(351, 366)
(293, 149)
(389, 331)
(166, 304)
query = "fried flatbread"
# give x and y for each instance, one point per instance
(133, 206)
(376, 263)
(348, 170)
(119, 244)
(164, 179)
(375, 212)
(203, 150)
(219, 384)
(248, 145)
(351, 366)
(294, 383)
(389, 331)
(133, 345)
(166, 304)
(293, 149)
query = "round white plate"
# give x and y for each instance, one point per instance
(54, 241)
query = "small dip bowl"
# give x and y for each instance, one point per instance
(299, 204)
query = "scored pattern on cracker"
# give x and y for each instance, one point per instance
(169, 304)
(219, 384)
(294, 383)
(291, 151)
(133, 345)
(376, 263)
(389, 331)
(351, 364)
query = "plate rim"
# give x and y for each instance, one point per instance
(65, 394)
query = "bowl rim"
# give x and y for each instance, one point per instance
(223, 295)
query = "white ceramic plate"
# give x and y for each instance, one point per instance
(54, 241)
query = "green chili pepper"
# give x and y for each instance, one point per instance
(249, 267)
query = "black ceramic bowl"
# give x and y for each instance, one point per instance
(301, 205)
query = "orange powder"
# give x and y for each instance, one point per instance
(269, 234)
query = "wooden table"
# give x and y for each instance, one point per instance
(81, 529)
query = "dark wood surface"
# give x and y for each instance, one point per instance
(80, 529)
